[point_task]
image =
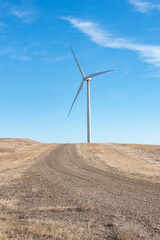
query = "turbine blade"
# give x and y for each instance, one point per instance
(96, 74)
(78, 63)
(76, 97)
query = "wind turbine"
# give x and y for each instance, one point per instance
(86, 78)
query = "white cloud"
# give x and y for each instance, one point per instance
(20, 13)
(149, 53)
(25, 10)
(25, 58)
(13, 53)
(143, 6)
(55, 59)
(26, 16)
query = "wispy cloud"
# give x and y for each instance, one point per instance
(13, 53)
(148, 53)
(143, 6)
(27, 54)
(25, 11)
(25, 15)
(31, 53)
(48, 57)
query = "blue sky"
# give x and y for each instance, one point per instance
(39, 77)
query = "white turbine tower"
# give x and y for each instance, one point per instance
(86, 78)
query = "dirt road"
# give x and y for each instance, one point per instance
(66, 186)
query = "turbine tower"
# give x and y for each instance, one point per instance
(88, 79)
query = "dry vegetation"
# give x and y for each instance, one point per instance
(18, 158)
(133, 160)
(20, 227)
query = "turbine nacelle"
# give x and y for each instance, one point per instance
(87, 79)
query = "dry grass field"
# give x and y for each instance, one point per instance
(133, 160)
(79, 191)
(18, 155)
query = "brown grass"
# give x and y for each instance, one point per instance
(15, 228)
(17, 156)
(66, 230)
(136, 161)
(3, 236)
(131, 231)
(81, 207)
(9, 203)
(44, 229)
(57, 229)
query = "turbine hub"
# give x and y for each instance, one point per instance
(87, 79)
